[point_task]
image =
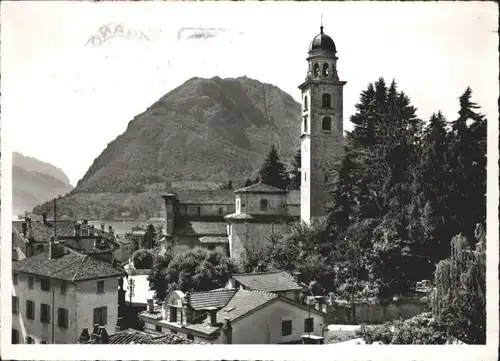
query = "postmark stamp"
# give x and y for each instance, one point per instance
(115, 30)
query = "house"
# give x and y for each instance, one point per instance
(57, 293)
(31, 237)
(237, 316)
(125, 249)
(130, 337)
(278, 282)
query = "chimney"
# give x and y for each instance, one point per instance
(319, 303)
(188, 309)
(213, 316)
(102, 335)
(44, 217)
(103, 227)
(164, 311)
(151, 305)
(95, 330)
(297, 277)
(25, 229)
(227, 332)
(85, 221)
(111, 232)
(84, 336)
(170, 203)
(56, 250)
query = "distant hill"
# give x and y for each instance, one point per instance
(35, 182)
(206, 129)
(211, 130)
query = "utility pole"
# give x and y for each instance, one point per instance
(131, 286)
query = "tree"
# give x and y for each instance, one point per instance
(273, 172)
(195, 270)
(459, 297)
(149, 237)
(248, 182)
(295, 174)
(305, 249)
(143, 259)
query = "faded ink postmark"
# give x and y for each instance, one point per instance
(115, 30)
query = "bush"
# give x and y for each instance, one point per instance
(142, 259)
(422, 329)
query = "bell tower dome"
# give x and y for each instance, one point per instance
(322, 127)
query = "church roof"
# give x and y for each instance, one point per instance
(323, 42)
(261, 188)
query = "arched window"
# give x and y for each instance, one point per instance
(263, 204)
(305, 102)
(326, 69)
(326, 101)
(326, 178)
(220, 211)
(305, 124)
(326, 123)
(316, 70)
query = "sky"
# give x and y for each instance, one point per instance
(66, 94)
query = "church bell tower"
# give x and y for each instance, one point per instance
(321, 132)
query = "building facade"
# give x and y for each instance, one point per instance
(322, 127)
(57, 293)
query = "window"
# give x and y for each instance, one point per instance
(305, 102)
(158, 328)
(326, 101)
(263, 204)
(44, 313)
(30, 310)
(220, 211)
(100, 286)
(31, 282)
(326, 70)
(305, 124)
(62, 317)
(286, 328)
(63, 288)
(45, 284)
(101, 315)
(174, 332)
(326, 178)
(30, 340)
(326, 123)
(190, 337)
(316, 69)
(309, 325)
(43, 342)
(15, 305)
(15, 336)
(15, 277)
(305, 177)
(199, 210)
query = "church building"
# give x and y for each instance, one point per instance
(260, 210)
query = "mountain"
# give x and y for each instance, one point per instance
(211, 130)
(206, 129)
(35, 182)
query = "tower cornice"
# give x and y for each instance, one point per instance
(321, 81)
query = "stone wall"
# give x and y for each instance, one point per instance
(376, 313)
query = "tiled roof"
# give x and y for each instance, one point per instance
(199, 228)
(212, 239)
(71, 266)
(268, 281)
(221, 196)
(43, 232)
(217, 299)
(134, 337)
(244, 302)
(261, 188)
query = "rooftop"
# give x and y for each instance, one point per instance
(188, 227)
(217, 298)
(261, 188)
(242, 303)
(134, 337)
(71, 266)
(268, 281)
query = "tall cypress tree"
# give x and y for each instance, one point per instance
(295, 174)
(273, 172)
